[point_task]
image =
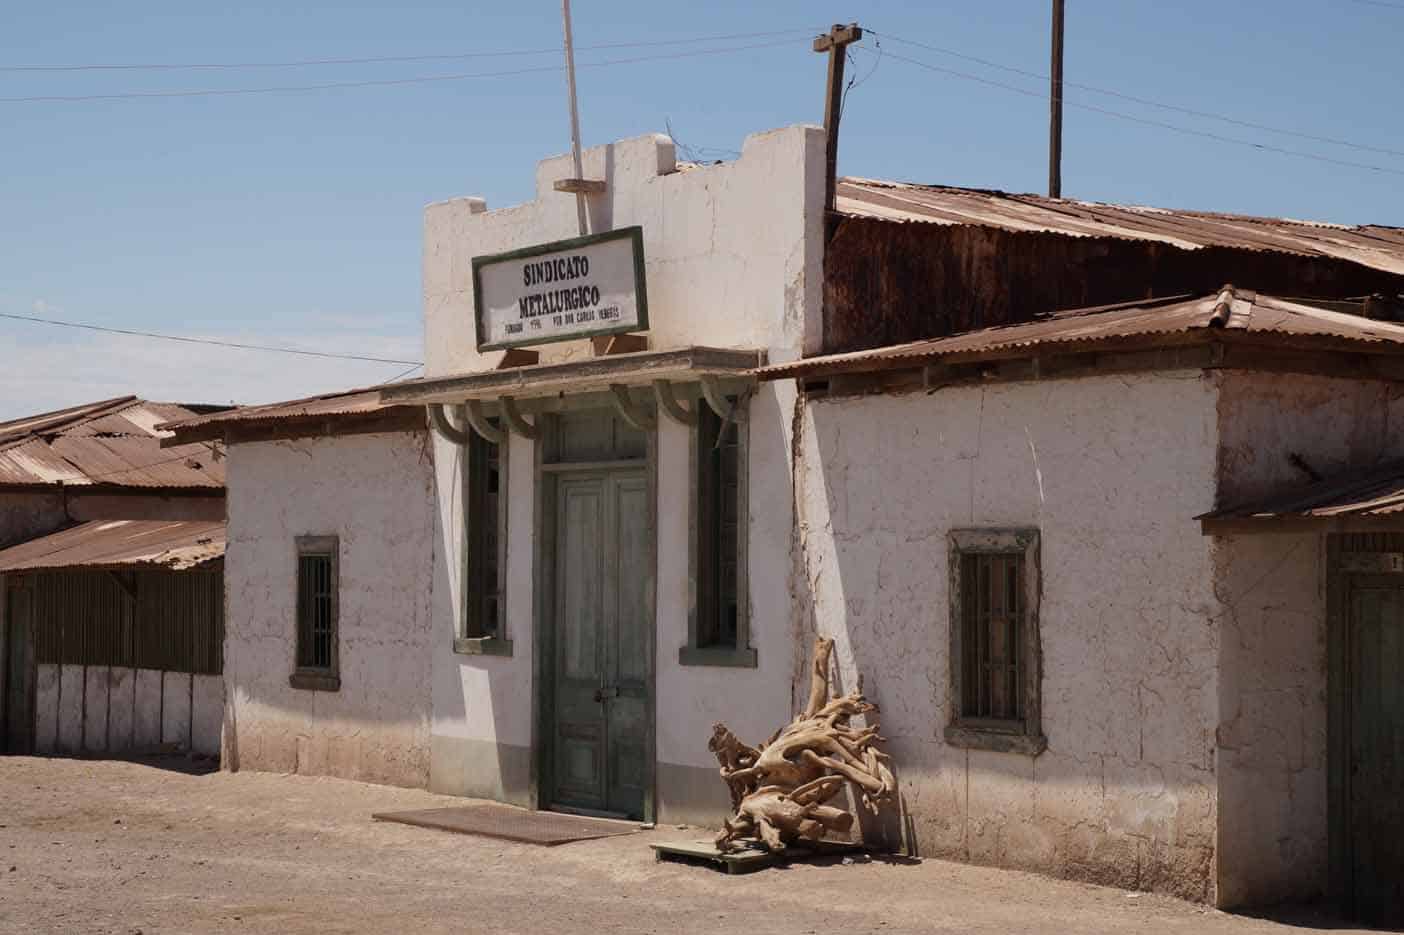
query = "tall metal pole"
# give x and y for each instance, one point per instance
(1055, 107)
(574, 117)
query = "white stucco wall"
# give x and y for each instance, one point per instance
(733, 259)
(1111, 471)
(374, 493)
(1273, 672)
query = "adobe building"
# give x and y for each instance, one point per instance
(663, 455)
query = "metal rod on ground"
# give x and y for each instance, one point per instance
(1055, 107)
(574, 117)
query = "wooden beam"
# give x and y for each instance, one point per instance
(579, 186)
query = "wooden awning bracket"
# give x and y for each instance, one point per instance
(668, 404)
(630, 411)
(481, 425)
(712, 393)
(443, 425)
(515, 422)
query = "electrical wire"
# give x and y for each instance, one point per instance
(212, 341)
(1206, 134)
(1247, 124)
(385, 59)
(385, 82)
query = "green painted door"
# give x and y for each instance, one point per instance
(1376, 768)
(18, 674)
(603, 642)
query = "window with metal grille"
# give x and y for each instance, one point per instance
(719, 632)
(317, 613)
(483, 521)
(995, 655)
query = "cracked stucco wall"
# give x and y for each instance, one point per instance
(1273, 670)
(733, 259)
(375, 493)
(1111, 470)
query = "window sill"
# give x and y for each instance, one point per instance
(482, 646)
(717, 656)
(975, 738)
(315, 681)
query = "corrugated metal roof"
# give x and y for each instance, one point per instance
(1376, 491)
(363, 401)
(113, 443)
(120, 544)
(1273, 320)
(1374, 246)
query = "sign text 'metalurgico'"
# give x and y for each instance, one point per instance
(561, 291)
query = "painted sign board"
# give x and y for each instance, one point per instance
(561, 291)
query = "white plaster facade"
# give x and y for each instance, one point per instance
(374, 493)
(733, 259)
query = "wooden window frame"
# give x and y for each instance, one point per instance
(1003, 736)
(742, 655)
(317, 678)
(472, 639)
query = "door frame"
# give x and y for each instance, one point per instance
(545, 471)
(1380, 554)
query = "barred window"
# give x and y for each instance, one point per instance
(719, 633)
(995, 656)
(483, 521)
(318, 637)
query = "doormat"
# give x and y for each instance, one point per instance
(510, 824)
(749, 858)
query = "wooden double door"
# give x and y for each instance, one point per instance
(602, 691)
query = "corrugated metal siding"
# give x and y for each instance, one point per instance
(87, 618)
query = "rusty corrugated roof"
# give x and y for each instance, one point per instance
(112, 443)
(1375, 246)
(120, 543)
(347, 404)
(1273, 320)
(1375, 491)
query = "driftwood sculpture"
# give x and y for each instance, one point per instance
(779, 790)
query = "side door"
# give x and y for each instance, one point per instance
(1376, 747)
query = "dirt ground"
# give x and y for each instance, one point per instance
(93, 846)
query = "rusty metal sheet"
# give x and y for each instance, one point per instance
(120, 544)
(1375, 246)
(112, 443)
(349, 403)
(1245, 313)
(1377, 491)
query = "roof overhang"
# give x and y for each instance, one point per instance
(689, 365)
(1367, 500)
(175, 545)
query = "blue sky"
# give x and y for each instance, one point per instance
(295, 217)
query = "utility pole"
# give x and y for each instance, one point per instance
(836, 42)
(1055, 107)
(579, 185)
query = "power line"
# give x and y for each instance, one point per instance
(1247, 124)
(1383, 3)
(387, 82)
(1147, 121)
(211, 341)
(454, 56)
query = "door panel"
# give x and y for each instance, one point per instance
(579, 717)
(604, 642)
(1376, 769)
(18, 733)
(630, 704)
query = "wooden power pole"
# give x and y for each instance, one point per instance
(836, 42)
(1055, 107)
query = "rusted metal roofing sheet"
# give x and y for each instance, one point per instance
(1374, 246)
(114, 443)
(362, 401)
(1376, 491)
(1245, 313)
(120, 543)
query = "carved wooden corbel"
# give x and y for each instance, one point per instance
(725, 410)
(630, 411)
(668, 404)
(439, 418)
(513, 416)
(481, 425)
